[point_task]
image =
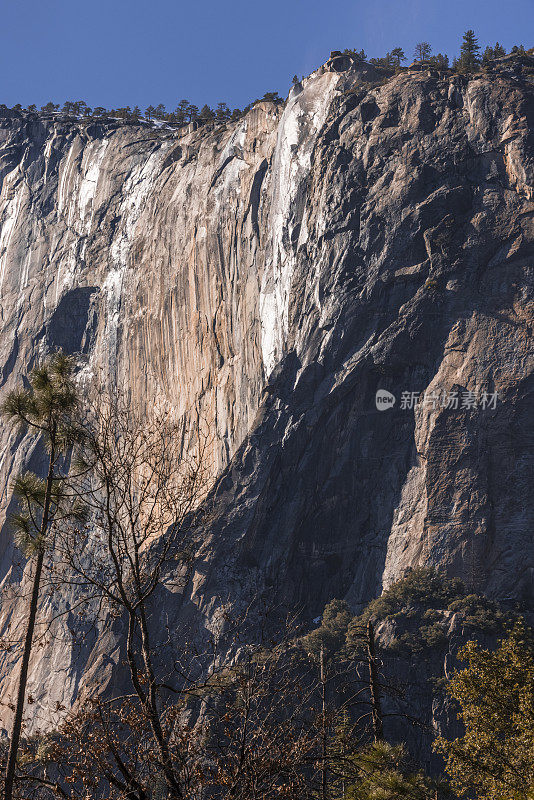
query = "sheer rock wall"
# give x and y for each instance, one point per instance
(277, 272)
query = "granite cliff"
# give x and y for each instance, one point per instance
(368, 235)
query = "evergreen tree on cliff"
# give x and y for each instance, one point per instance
(192, 112)
(422, 51)
(206, 114)
(222, 112)
(181, 111)
(45, 409)
(469, 53)
(397, 56)
(490, 53)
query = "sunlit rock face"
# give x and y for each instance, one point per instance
(276, 273)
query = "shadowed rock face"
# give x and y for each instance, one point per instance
(279, 272)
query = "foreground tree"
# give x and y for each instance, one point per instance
(139, 480)
(245, 728)
(494, 759)
(265, 739)
(189, 719)
(47, 410)
(384, 771)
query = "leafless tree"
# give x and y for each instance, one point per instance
(247, 729)
(267, 743)
(140, 481)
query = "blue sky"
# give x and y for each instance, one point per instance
(127, 52)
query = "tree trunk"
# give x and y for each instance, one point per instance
(23, 677)
(324, 734)
(152, 708)
(374, 686)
